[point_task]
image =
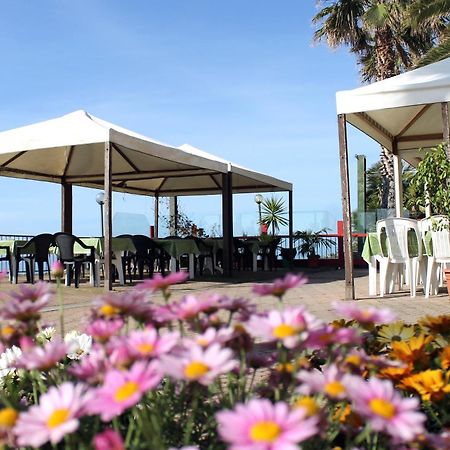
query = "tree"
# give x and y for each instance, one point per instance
(434, 13)
(381, 35)
(273, 212)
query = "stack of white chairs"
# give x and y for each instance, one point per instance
(398, 258)
(438, 226)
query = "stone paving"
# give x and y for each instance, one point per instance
(323, 288)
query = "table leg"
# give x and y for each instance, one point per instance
(173, 264)
(255, 262)
(13, 274)
(373, 276)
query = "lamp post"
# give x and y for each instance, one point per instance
(258, 200)
(100, 199)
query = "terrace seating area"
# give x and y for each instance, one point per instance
(134, 256)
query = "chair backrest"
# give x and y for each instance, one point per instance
(400, 234)
(433, 223)
(42, 243)
(440, 236)
(65, 243)
(143, 244)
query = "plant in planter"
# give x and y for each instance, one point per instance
(310, 243)
(273, 213)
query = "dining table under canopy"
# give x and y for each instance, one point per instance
(83, 150)
(406, 114)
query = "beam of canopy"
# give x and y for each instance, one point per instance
(403, 113)
(70, 149)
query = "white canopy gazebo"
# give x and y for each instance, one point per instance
(404, 114)
(80, 149)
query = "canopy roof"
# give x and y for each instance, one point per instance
(71, 149)
(403, 111)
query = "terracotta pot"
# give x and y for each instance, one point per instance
(447, 279)
(313, 261)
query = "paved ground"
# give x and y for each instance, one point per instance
(324, 287)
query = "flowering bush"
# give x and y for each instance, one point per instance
(212, 373)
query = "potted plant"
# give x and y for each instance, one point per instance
(431, 186)
(310, 242)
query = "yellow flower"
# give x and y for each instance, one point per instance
(411, 351)
(397, 331)
(309, 404)
(445, 357)
(431, 385)
(437, 324)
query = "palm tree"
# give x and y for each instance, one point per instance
(381, 35)
(273, 212)
(435, 13)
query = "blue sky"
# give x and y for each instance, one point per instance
(241, 80)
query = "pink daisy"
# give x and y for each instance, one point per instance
(123, 389)
(162, 283)
(386, 410)
(198, 364)
(56, 415)
(328, 335)
(43, 358)
(101, 330)
(260, 425)
(364, 316)
(279, 287)
(129, 303)
(108, 440)
(147, 343)
(92, 367)
(212, 335)
(190, 306)
(26, 304)
(330, 381)
(290, 326)
(57, 269)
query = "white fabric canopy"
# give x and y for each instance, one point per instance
(70, 149)
(403, 111)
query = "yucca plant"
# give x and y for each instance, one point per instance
(273, 213)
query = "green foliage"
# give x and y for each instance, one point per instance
(431, 181)
(312, 241)
(273, 212)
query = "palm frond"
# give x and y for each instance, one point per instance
(436, 54)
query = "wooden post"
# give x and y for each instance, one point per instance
(108, 217)
(291, 229)
(66, 207)
(446, 128)
(156, 215)
(345, 189)
(227, 223)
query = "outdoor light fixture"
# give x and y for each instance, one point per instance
(100, 199)
(258, 200)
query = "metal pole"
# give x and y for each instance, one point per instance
(108, 218)
(101, 219)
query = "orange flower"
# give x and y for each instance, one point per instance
(445, 357)
(431, 385)
(396, 374)
(438, 324)
(347, 416)
(411, 351)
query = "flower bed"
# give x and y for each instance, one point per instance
(192, 374)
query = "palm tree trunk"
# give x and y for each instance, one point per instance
(385, 69)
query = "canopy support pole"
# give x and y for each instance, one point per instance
(173, 214)
(398, 181)
(108, 218)
(156, 215)
(227, 223)
(66, 207)
(291, 229)
(345, 189)
(446, 128)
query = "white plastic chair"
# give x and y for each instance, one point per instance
(396, 231)
(438, 226)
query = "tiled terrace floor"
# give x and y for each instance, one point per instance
(323, 288)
